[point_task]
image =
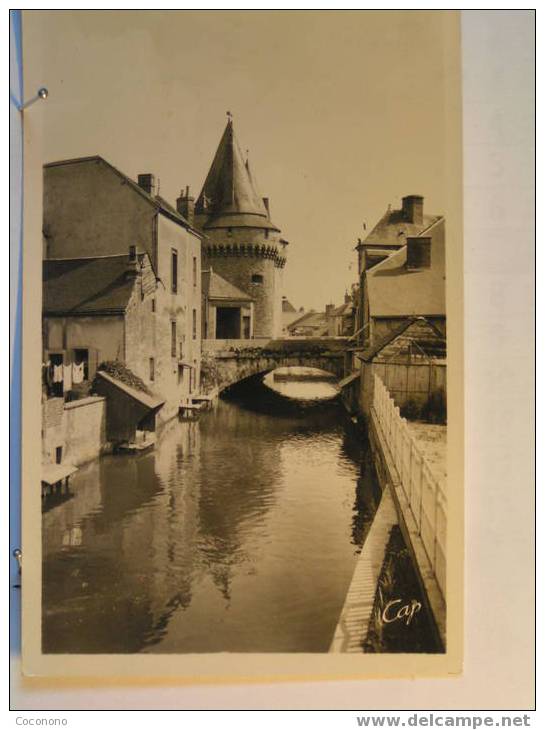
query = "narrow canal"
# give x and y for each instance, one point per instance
(239, 533)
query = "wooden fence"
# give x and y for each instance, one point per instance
(425, 496)
(414, 381)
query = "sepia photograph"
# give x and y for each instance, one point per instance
(246, 337)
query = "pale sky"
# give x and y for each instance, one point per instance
(342, 112)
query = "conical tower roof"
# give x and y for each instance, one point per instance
(229, 197)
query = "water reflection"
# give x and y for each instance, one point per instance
(238, 533)
(303, 384)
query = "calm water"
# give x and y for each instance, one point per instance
(238, 533)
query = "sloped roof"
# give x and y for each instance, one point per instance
(86, 285)
(345, 309)
(395, 291)
(216, 287)
(433, 336)
(157, 201)
(287, 306)
(153, 401)
(316, 320)
(393, 229)
(229, 197)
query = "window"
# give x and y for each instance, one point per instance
(229, 231)
(153, 304)
(266, 232)
(173, 338)
(174, 270)
(152, 369)
(257, 279)
(194, 324)
(194, 271)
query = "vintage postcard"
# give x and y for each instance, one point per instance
(242, 388)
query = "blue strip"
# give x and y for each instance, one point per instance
(15, 384)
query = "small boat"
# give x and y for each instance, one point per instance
(143, 442)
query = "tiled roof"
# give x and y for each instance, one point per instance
(86, 285)
(393, 229)
(216, 287)
(229, 197)
(437, 348)
(316, 320)
(395, 291)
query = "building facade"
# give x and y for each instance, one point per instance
(402, 272)
(93, 210)
(228, 313)
(96, 310)
(340, 320)
(242, 244)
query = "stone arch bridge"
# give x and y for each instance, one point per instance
(226, 362)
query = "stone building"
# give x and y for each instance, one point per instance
(92, 210)
(96, 309)
(242, 245)
(228, 312)
(402, 272)
(340, 320)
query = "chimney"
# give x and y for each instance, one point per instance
(419, 252)
(185, 205)
(266, 204)
(347, 298)
(132, 266)
(328, 309)
(413, 209)
(146, 181)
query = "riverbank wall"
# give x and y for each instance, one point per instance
(419, 505)
(390, 480)
(74, 432)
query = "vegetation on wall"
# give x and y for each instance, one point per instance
(209, 373)
(120, 371)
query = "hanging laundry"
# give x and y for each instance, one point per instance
(57, 373)
(78, 372)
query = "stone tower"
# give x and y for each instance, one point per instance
(242, 244)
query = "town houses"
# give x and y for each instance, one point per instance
(132, 285)
(139, 295)
(151, 310)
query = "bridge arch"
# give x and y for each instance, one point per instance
(225, 367)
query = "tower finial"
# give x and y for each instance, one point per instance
(229, 116)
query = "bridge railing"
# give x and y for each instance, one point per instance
(425, 496)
